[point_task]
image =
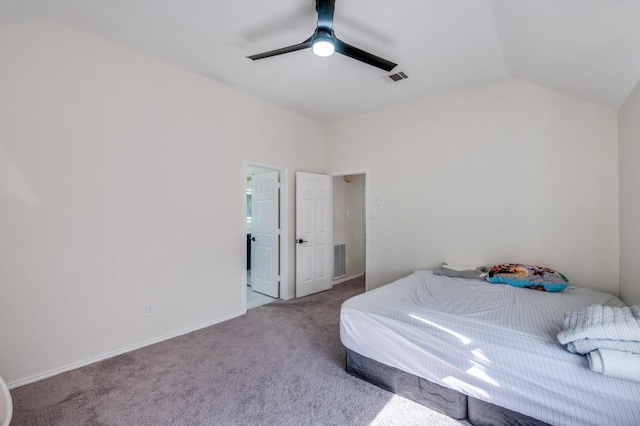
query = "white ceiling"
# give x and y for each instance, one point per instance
(586, 48)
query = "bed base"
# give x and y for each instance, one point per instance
(444, 400)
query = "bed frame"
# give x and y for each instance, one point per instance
(447, 401)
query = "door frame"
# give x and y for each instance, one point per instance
(366, 206)
(284, 228)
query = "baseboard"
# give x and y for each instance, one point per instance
(117, 352)
(343, 279)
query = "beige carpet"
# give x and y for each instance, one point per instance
(280, 364)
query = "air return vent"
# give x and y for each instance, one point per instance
(339, 261)
(393, 78)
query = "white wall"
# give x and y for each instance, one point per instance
(629, 141)
(348, 223)
(121, 183)
(339, 190)
(508, 172)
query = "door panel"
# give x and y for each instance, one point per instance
(313, 236)
(264, 233)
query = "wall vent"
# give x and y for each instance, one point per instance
(339, 261)
(393, 78)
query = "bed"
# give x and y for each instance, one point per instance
(482, 352)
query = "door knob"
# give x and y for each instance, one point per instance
(253, 238)
(300, 241)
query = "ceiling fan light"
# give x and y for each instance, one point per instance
(323, 47)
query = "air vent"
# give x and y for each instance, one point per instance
(395, 77)
(339, 261)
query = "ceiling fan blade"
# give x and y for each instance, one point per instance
(325, 10)
(362, 56)
(304, 45)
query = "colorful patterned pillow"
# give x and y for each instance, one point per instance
(527, 276)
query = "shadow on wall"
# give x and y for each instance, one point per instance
(12, 183)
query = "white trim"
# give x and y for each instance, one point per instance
(7, 402)
(367, 225)
(284, 235)
(284, 230)
(350, 172)
(120, 351)
(343, 279)
(288, 297)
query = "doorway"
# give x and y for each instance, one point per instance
(265, 229)
(330, 251)
(349, 226)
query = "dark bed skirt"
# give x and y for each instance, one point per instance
(447, 401)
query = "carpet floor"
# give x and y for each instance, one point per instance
(280, 364)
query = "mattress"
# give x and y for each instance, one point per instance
(494, 343)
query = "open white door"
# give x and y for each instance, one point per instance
(264, 234)
(313, 233)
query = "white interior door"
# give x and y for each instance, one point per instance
(313, 233)
(265, 234)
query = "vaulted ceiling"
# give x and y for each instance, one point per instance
(589, 49)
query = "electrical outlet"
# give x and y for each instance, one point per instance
(150, 309)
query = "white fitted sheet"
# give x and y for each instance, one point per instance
(493, 342)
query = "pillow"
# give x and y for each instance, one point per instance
(460, 271)
(527, 276)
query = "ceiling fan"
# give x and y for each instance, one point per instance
(324, 42)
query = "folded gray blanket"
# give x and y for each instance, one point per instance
(602, 322)
(478, 273)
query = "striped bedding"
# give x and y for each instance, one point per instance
(493, 342)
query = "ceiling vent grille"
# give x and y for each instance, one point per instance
(393, 78)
